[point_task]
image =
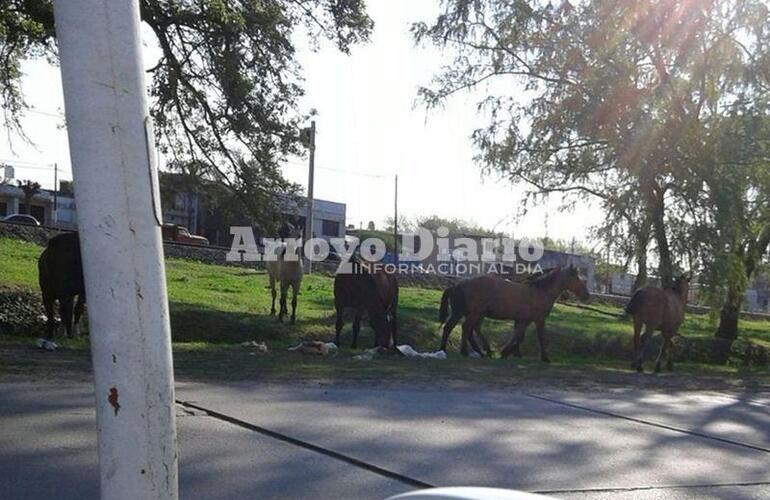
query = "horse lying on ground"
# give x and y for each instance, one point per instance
(497, 298)
(376, 292)
(661, 309)
(60, 273)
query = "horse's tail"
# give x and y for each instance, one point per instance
(443, 311)
(635, 302)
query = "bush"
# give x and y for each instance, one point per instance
(21, 312)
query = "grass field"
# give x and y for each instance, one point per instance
(215, 308)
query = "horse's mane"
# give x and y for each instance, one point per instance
(543, 280)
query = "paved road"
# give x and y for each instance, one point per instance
(615, 444)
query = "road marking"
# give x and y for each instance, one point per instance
(650, 423)
(309, 446)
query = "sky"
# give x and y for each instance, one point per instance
(370, 128)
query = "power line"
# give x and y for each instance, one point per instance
(45, 113)
(339, 170)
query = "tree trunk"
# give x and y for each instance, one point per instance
(665, 264)
(642, 241)
(727, 331)
(656, 215)
(728, 316)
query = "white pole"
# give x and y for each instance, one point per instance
(115, 180)
(310, 185)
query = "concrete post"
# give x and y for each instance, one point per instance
(119, 216)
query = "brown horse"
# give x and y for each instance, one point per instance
(374, 291)
(661, 309)
(60, 273)
(496, 298)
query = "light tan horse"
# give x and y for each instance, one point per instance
(493, 297)
(656, 308)
(287, 270)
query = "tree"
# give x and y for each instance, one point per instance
(226, 88)
(30, 189)
(732, 208)
(455, 226)
(404, 224)
(607, 93)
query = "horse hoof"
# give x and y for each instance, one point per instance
(670, 366)
(657, 368)
(272, 312)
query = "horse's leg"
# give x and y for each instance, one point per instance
(78, 313)
(642, 347)
(294, 293)
(49, 312)
(394, 325)
(669, 362)
(484, 341)
(512, 347)
(357, 328)
(469, 325)
(448, 326)
(664, 351)
(283, 309)
(542, 340)
(272, 292)
(467, 332)
(338, 325)
(637, 333)
(65, 311)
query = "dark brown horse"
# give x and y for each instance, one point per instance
(60, 273)
(661, 309)
(374, 291)
(493, 297)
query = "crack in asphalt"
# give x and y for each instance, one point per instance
(309, 446)
(648, 488)
(649, 422)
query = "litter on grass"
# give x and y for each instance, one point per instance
(410, 352)
(259, 347)
(315, 348)
(47, 345)
(404, 350)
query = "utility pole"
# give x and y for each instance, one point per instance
(116, 188)
(55, 194)
(310, 183)
(395, 222)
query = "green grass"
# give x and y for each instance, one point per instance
(215, 308)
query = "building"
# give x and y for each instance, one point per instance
(49, 209)
(189, 208)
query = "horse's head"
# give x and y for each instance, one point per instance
(575, 284)
(682, 284)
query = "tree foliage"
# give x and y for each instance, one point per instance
(226, 88)
(600, 98)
